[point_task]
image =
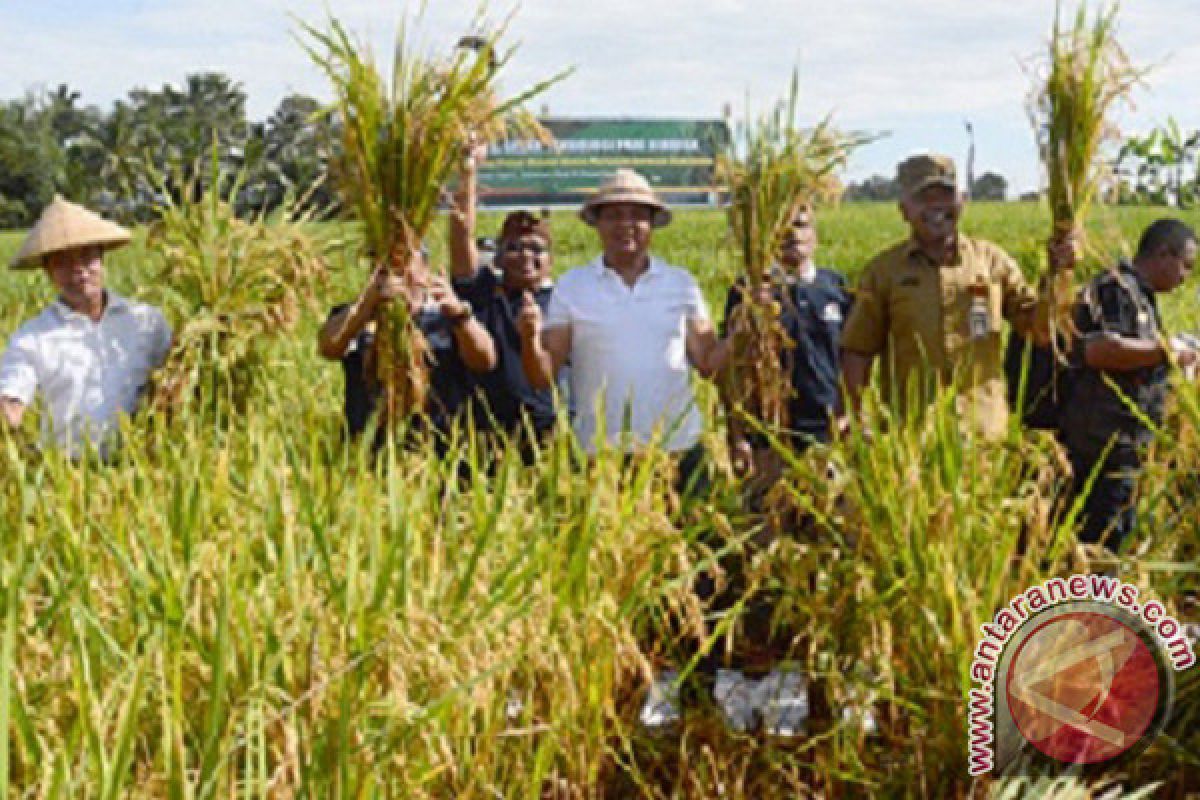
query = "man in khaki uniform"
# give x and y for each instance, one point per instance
(933, 306)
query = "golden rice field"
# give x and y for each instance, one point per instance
(244, 606)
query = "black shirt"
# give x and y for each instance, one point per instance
(813, 314)
(1114, 302)
(506, 391)
(449, 383)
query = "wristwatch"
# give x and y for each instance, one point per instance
(460, 317)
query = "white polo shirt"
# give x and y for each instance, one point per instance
(629, 353)
(88, 372)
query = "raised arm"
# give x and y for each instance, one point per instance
(707, 352)
(340, 329)
(464, 257)
(471, 339)
(1034, 319)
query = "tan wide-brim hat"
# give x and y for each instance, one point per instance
(66, 226)
(626, 186)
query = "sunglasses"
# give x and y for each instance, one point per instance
(528, 247)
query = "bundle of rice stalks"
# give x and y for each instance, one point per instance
(774, 170)
(402, 136)
(228, 286)
(1087, 74)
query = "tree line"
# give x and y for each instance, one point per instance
(125, 160)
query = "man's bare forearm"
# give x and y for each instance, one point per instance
(1114, 353)
(537, 363)
(475, 346)
(337, 333)
(464, 256)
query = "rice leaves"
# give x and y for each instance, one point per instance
(402, 137)
(308, 624)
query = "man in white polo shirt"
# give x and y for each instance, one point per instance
(89, 353)
(630, 325)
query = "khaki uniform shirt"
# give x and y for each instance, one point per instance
(918, 316)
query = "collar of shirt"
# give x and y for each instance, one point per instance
(913, 250)
(544, 286)
(653, 269)
(1127, 266)
(807, 275)
(113, 303)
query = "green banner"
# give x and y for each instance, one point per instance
(675, 155)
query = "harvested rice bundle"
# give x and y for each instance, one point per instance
(228, 285)
(402, 136)
(773, 169)
(1086, 75)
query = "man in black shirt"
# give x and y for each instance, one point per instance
(813, 305)
(1122, 359)
(523, 258)
(458, 345)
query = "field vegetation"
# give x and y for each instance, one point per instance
(245, 605)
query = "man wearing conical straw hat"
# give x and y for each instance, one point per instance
(90, 351)
(630, 325)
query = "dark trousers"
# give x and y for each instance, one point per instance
(1109, 513)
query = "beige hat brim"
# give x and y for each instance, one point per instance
(662, 214)
(66, 226)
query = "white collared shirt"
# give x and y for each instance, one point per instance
(629, 353)
(87, 372)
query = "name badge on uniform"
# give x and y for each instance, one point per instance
(832, 313)
(978, 318)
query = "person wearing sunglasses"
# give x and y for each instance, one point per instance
(520, 279)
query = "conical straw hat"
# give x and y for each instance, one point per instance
(64, 226)
(625, 186)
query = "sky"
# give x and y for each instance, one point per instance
(916, 70)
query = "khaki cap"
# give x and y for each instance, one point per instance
(66, 226)
(626, 186)
(916, 173)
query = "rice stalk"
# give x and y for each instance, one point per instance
(402, 137)
(228, 285)
(773, 169)
(1087, 76)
